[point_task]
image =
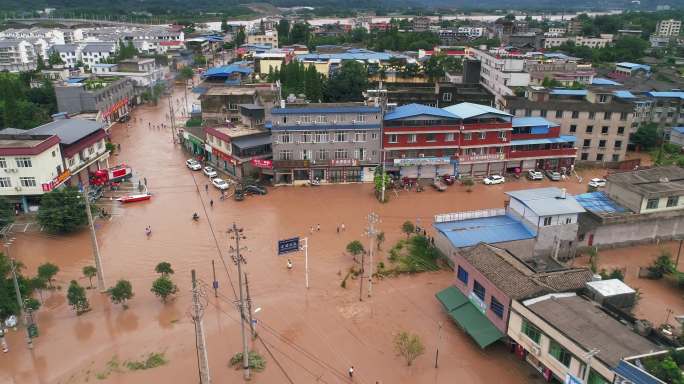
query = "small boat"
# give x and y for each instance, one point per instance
(134, 198)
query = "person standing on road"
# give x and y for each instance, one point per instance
(3, 343)
(318, 227)
(342, 227)
(206, 188)
(211, 203)
(351, 372)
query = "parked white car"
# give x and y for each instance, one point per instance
(596, 182)
(193, 164)
(494, 179)
(220, 183)
(534, 175)
(210, 172)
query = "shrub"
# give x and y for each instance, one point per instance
(255, 361)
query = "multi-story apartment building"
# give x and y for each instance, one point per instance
(471, 31)
(17, 55)
(667, 109)
(470, 139)
(69, 53)
(500, 72)
(238, 149)
(420, 23)
(600, 121)
(592, 42)
(329, 142)
(96, 53)
(269, 38)
(221, 103)
(110, 97)
(669, 28)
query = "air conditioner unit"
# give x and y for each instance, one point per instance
(421, 155)
(276, 142)
(535, 350)
(298, 122)
(353, 121)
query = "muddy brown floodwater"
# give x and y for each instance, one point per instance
(309, 336)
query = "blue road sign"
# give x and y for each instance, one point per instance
(288, 245)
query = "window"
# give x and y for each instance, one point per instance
(360, 136)
(587, 143)
(479, 290)
(603, 98)
(360, 118)
(27, 181)
(618, 144)
(623, 116)
(672, 201)
(374, 136)
(592, 115)
(5, 182)
(430, 137)
(412, 138)
(91, 150)
(341, 153)
(584, 156)
(590, 129)
(559, 114)
(306, 154)
(604, 130)
(512, 111)
(71, 161)
(496, 307)
(285, 138)
(616, 157)
(99, 146)
(446, 96)
(547, 221)
(621, 131)
(602, 143)
(502, 134)
(568, 220)
(531, 331)
(483, 135)
(528, 112)
(393, 139)
(3, 162)
(543, 113)
(575, 114)
(23, 162)
(462, 275)
(359, 153)
(321, 119)
(285, 155)
(340, 136)
(599, 157)
(321, 137)
(561, 354)
(573, 128)
(607, 115)
(307, 137)
(467, 136)
(323, 154)
(449, 137)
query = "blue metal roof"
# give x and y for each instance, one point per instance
(412, 110)
(75, 80)
(311, 110)
(674, 94)
(634, 66)
(569, 92)
(598, 202)
(468, 110)
(678, 129)
(547, 201)
(490, 230)
(323, 127)
(635, 375)
(602, 81)
(532, 122)
(227, 70)
(352, 54)
(548, 140)
(624, 94)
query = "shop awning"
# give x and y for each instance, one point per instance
(463, 312)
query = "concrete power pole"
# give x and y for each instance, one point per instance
(200, 341)
(236, 234)
(373, 219)
(93, 240)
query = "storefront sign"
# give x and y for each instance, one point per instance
(223, 156)
(288, 245)
(259, 163)
(422, 161)
(56, 182)
(344, 162)
(118, 105)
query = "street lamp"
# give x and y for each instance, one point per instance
(254, 321)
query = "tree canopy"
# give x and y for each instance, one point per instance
(24, 107)
(62, 210)
(121, 292)
(163, 287)
(348, 83)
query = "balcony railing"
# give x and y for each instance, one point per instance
(483, 157)
(565, 152)
(467, 215)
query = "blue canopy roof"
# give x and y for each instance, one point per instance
(602, 81)
(675, 94)
(490, 230)
(532, 122)
(624, 94)
(227, 70)
(598, 202)
(634, 66)
(352, 54)
(468, 110)
(678, 129)
(547, 201)
(569, 92)
(549, 140)
(411, 110)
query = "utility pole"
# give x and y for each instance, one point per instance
(172, 120)
(373, 219)
(200, 341)
(249, 309)
(439, 339)
(363, 255)
(20, 302)
(214, 283)
(236, 234)
(93, 240)
(382, 191)
(305, 247)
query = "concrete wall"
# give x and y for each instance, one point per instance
(624, 197)
(562, 236)
(631, 232)
(69, 99)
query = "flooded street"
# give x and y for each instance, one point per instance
(308, 336)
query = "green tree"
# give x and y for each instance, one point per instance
(8, 302)
(299, 34)
(355, 248)
(408, 346)
(348, 84)
(662, 265)
(224, 26)
(31, 304)
(163, 287)
(76, 296)
(240, 37)
(6, 211)
(89, 271)
(185, 73)
(313, 84)
(40, 63)
(121, 292)
(47, 272)
(646, 136)
(62, 210)
(55, 59)
(283, 29)
(408, 228)
(164, 269)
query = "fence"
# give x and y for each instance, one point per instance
(458, 216)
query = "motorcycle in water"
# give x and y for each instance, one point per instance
(315, 182)
(195, 216)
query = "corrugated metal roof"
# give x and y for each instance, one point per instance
(635, 375)
(468, 110)
(68, 130)
(598, 202)
(251, 141)
(547, 201)
(624, 94)
(491, 230)
(602, 81)
(227, 70)
(411, 110)
(549, 140)
(352, 54)
(532, 122)
(569, 92)
(673, 94)
(634, 66)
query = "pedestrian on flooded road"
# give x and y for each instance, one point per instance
(211, 203)
(342, 227)
(118, 147)
(206, 188)
(318, 227)
(148, 231)
(3, 343)
(351, 372)
(145, 181)
(338, 229)
(311, 230)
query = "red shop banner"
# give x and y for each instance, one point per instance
(268, 164)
